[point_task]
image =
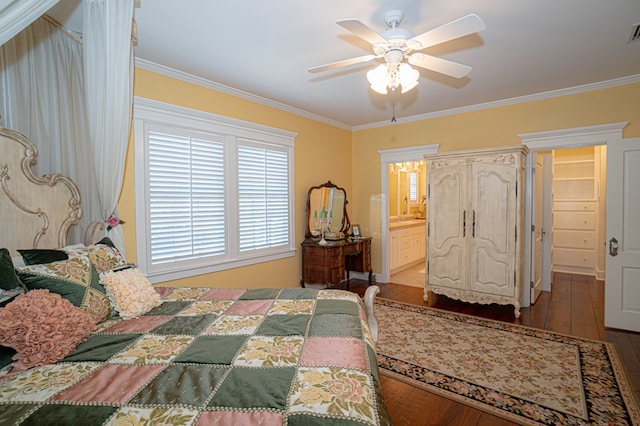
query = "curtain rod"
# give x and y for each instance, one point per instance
(61, 27)
(134, 30)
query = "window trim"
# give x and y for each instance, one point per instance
(149, 112)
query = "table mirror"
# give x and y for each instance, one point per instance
(327, 206)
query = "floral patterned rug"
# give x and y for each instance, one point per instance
(526, 375)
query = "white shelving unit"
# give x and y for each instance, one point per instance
(575, 210)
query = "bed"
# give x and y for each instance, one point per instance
(86, 339)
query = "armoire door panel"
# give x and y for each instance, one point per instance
(493, 243)
(493, 192)
(448, 269)
(448, 196)
(447, 205)
(492, 275)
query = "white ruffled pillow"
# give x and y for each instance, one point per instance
(130, 292)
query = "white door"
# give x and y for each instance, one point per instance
(622, 282)
(536, 218)
(547, 220)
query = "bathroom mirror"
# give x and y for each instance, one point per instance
(328, 202)
(407, 189)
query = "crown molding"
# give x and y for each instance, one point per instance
(399, 155)
(511, 101)
(599, 134)
(190, 78)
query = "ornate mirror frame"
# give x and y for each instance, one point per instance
(330, 200)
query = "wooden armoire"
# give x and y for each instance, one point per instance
(475, 218)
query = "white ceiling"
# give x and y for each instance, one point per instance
(264, 48)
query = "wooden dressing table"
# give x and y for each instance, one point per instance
(327, 264)
(329, 261)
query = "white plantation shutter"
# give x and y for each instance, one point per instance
(263, 192)
(186, 197)
(212, 193)
(413, 186)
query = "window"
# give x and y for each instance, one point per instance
(413, 187)
(212, 193)
(186, 196)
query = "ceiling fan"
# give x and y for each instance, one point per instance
(397, 44)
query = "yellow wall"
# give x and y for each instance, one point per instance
(315, 141)
(352, 159)
(492, 127)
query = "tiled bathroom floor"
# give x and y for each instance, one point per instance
(413, 276)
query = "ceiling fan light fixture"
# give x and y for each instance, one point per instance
(398, 46)
(377, 78)
(406, 88)
(408, 77)
(392, 76)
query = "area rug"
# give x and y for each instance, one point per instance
(526, 375)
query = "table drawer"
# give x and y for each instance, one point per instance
(350, 249)
(324, 256)
(337, 275)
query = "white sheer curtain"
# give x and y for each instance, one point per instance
(44, 99)
(73, 100)
(108, 65)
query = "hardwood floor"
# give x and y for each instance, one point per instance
(575, 307)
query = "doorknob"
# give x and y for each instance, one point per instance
(613, 247)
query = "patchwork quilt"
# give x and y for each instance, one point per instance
(213, 356)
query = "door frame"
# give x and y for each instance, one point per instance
(389, 156)
(576, 137)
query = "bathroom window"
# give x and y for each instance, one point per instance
(413, 188)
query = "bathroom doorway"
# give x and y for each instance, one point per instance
(407, 224)
(406, 254)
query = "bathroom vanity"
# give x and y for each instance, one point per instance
(407, 243)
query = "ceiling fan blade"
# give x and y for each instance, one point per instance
(343, 63)
(455, 29)
(440, 65)
(361, 30)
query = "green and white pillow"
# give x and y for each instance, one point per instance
(103, 254)
(8, 278)
(75, 279)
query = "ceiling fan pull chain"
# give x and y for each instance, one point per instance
(393, 106)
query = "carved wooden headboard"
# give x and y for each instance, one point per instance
(36, 212)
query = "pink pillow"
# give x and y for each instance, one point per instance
(42, 327)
